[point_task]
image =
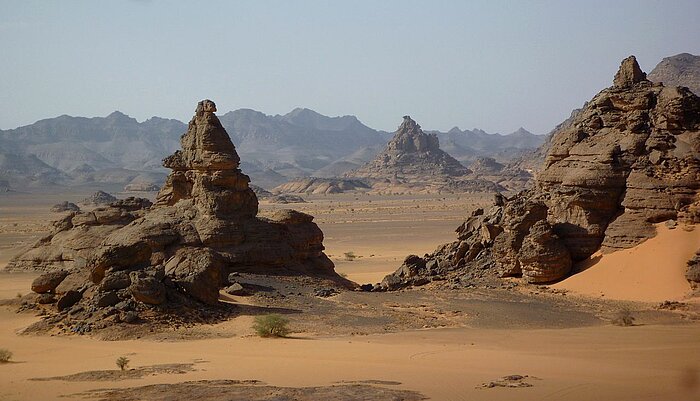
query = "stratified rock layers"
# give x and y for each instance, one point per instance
(202, 226)
(629, 159)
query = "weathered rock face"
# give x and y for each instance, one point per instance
(629, 73)
(206, 171)
(202, 226)
(630, 158)
(413, 161)
(74, 237)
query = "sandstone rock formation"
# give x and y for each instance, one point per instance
(413, 161)
(679, 70)
(630, 158)
(74, 237)
(202, 226)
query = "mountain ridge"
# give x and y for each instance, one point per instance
(69, 150)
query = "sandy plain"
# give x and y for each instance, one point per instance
(562, 342)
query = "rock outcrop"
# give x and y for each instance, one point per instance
(99, 198)
(65, 206)
(629, 159)
(692, 273)
(509, 177)
(413, 161)
(314, 185)
(679, 70)
(287, 198)
(74, 237)
(202, 226)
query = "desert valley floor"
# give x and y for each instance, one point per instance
(423, 343)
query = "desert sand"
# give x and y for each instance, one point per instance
(653, 271)
(569, 352)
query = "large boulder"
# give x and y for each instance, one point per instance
(543, 257)
(198, 271)
(48, 281)
(146, 288)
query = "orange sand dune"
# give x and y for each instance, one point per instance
(653, 271)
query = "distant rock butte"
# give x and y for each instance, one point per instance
(413, 161)
(65, 206)
(99, 198)
(630, 158)
(202, 227)
(313, 185)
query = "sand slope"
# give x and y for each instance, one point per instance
(653, 271)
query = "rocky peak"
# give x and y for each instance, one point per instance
(629, 73)
(206, 169)
(410, 138)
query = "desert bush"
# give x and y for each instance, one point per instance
(5, 355)
(349, 256)
(623, 317)
(123, 362)
(272, 325)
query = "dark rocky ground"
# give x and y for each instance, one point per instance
(250, 390)
(317, 310)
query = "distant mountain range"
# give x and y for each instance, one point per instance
(118, 149)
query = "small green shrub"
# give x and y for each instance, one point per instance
(5, 355)
(623, 317)
(349, 256)
(123, 362)
(272, 325)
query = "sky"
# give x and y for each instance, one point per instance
(493, 65)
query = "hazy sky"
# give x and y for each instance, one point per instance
(490, 64)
